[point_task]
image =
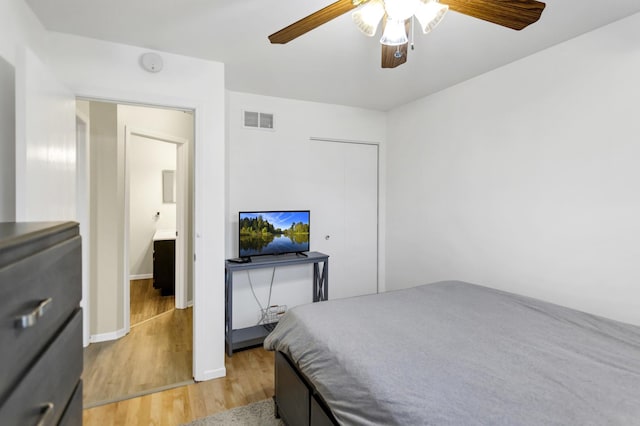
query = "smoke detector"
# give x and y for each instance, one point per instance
(151, 62)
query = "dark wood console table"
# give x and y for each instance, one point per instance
(251, 336)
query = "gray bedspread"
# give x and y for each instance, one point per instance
(454, 353)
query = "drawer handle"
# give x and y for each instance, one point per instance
(47, 411)
(30, 319)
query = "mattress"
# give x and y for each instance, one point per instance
(455, 353)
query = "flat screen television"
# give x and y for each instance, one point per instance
(273, 232)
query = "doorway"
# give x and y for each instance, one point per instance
(157, 207)
(152, 273)
(131, 147)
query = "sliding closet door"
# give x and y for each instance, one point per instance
(345, 218)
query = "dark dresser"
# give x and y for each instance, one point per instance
(40, 324)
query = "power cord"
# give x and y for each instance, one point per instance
(263, 311)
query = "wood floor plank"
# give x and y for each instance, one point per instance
(156, 353)
(161, 345)
(153, 355)
(147, 302)
(249, 379)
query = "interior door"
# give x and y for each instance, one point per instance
(345, 220)
(45, 143)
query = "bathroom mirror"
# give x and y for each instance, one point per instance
(168, 186)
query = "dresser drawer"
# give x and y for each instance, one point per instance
(46, 390)
(73, 413)
(49, 278)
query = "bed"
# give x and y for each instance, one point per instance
(453, 353)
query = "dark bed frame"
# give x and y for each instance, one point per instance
(297, 401)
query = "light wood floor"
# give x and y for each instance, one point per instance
(146, 301)
(157, 353)
(249, 379)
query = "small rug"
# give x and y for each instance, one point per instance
(256, 414)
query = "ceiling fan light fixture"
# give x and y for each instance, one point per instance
(429, 13)
(394, 33)
(368, 16)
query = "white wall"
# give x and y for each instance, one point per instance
(147, 160)
(526, 178)
(106, 310)
(22, 38)
(101, 70)
(45, 143)
(269, 170)
(19, 27)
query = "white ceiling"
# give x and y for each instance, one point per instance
(334, 63)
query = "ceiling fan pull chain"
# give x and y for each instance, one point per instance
(412, 33)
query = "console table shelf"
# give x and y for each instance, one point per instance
(252, 336)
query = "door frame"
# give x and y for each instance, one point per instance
(83, 207)
(182, 179)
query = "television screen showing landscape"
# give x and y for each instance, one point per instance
(273, 232)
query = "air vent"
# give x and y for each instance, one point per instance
(258, 120)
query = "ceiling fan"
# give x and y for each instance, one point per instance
(397, 17)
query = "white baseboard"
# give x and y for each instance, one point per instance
(140, 277)
(189, 304)
(105, 337)
(211, 374)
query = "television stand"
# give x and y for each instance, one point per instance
(301, 253)
(251, 336)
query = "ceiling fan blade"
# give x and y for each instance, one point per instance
(389, 58)
(516, 14)
(314, 20)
